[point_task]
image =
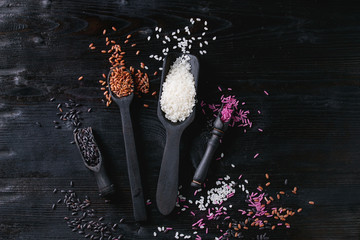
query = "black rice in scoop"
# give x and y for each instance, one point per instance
(88, 147)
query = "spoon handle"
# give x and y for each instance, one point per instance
(202, 169)
(133, 165)
(167, 187)
(106, 188)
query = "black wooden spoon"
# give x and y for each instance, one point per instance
(106, 188)
(131, 156)
(167, 187)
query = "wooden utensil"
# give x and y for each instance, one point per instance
(131, 155)
(167, 186)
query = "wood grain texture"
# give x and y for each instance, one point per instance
(306, 55)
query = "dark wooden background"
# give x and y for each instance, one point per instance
(306, 55)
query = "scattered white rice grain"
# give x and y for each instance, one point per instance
(148, 38)
(246, 181)
(205, 28)
(206, 42)
(198, 19)
(199, 38)
(204, 51)
(232, 165)
(146, 67)
(151, 56)
(157, 36)
(222, 155)
(205, 23)
(200, 45)
(178, 30)
(154, 234)
(160, 29)
(164, 42)
(160, 68)
(203, 34)
(214, 38)
(159, 229)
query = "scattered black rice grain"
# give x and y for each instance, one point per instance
(89, 110)
(83, 220)
(57, 126)
(55, 190)
(52, 99)
(71, 183)
(39, 124)
(286, 182)
(53, 206)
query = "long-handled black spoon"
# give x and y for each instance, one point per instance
(167, 186)
(131, 156)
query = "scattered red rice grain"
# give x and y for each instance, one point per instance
(103, 75)
(104, 31)
(146, 105)
(267, 184)
(103, 51)
(155, 73)
(128, 36)
(299, 210)
(137, 52)
(311, 202)
(266, 176)
(80, 78)
(153, 93)
(113, 28)
(133, 45)
(91, 44)
(282, 192)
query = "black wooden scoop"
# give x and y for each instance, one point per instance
(92, 158)
(131, 156)
(167, 187)
(216, 134)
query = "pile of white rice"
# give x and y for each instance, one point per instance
(178, 91)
